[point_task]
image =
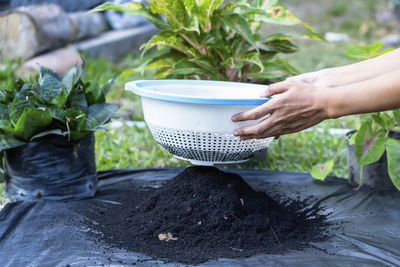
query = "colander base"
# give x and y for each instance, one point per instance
(210, 163)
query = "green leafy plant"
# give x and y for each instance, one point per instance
(50, 104)
(373, 137)
(216, 39)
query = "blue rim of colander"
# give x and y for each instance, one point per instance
(139, 88)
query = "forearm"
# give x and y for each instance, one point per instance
(377, 94)
(362, 70)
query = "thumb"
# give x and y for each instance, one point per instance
(276, 88)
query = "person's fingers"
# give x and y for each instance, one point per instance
(255, 113)
(252, 130)
(276, 88)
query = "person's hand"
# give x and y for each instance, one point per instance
(294, 106)
(321, 78)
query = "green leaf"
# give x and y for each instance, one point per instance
(239, 25)
(320, 171)
(205, 12)
(160, 64)
(75, 119)
(43, 70)
(98, 114)
(93, 95)
(352, 139)
(393, 159)
(57, 113)
(169, 39)
(369, 145)
(78, 100)
(71, 78)
(252, 58)
(51, 88)
(134, 8)
(277, 45)
(264, 4)
(31, 122)
(185, 67)
(174, 11)
(49, 132)
(7, 142)
(361, 52)
(278, 15)
(17, 107)
(107, 87)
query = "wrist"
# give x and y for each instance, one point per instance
(328, 103)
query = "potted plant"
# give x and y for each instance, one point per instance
(216, 40)
(374, 148)
(46, 133)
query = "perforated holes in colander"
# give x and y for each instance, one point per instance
(207, 146)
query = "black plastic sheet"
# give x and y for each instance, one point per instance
(365, 229)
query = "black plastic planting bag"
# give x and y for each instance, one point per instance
(365, 228)
(51, 168)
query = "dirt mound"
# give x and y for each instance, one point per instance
(204, 213)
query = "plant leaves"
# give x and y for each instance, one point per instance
(252, 58)
(49, 132)
(239, 25)
(369, 145)
(98, 114)
(78, 100)
(277, 15)
(74, 119)
(107, 87)
(321, 170)
(71, 78)
(185, 67)
(93, 95)
(276, 45)
(168, 38)
(174, 11)
(57, 113)
(31, 122)
(205, 12)
(17, 107)
(393, 160)
(7, 142)
(133, 8)
(362, 52)
(51, 88)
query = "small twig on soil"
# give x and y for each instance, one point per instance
(241, 200)
(275, 235)
(236, 249)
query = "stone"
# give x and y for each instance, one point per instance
(67, 5)
(27, 31)
(85, 25)
(391, 40)
(60, 60)
(336, 37)
(115, 44)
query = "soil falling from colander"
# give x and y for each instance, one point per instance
(203, 214)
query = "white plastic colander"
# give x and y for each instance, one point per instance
(192, 118)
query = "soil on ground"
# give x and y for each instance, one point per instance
(204, 213)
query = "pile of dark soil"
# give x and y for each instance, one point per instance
(203, 214)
